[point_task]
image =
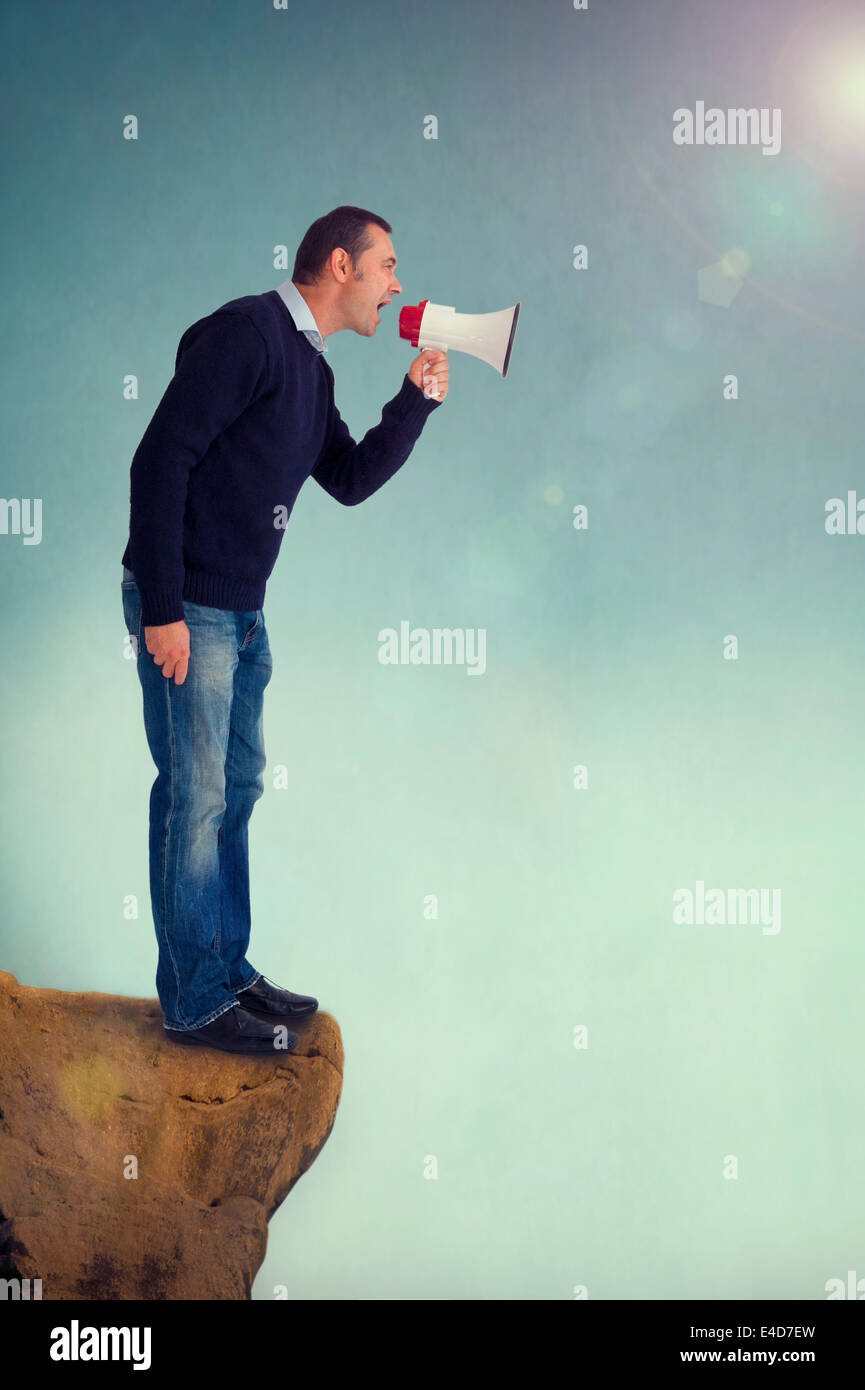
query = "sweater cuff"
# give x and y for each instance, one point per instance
(413, 405)
(162, 604)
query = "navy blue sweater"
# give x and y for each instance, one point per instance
(248, 416)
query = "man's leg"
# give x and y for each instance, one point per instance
(244, 784)
(187, 730)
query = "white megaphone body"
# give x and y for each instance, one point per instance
(487, 336)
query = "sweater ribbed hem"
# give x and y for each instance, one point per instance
(164, 604)
(222, 591)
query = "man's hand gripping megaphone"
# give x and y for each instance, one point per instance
(429, 371)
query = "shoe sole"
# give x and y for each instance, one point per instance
(204, 1042)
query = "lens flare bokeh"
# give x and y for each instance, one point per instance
(819, 84)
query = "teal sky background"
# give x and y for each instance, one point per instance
(558, 1167)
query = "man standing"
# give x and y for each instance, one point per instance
(248, 416)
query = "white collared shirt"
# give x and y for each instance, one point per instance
(301, 313)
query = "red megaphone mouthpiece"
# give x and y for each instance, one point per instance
(410, 320)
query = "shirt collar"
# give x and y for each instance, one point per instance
(301, 313)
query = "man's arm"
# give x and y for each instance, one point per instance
(221, 368)
(351, 472)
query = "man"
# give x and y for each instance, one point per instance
(248, 416)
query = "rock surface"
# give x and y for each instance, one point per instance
(90, 1089)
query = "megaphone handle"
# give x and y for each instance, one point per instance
(432, 395)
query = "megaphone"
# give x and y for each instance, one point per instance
(487, 336)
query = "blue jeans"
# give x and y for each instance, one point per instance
(205, 737)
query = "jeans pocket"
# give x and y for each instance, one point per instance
(131, 599)
(252, 631)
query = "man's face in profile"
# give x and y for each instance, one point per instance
(373, 285)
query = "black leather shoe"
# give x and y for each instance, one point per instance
(267, 1000)
(238, 1031)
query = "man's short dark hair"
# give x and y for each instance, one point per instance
(347, 227)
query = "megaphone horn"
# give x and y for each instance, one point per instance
(487, 336)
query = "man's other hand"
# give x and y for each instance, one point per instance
(169, 647)
(429, 371)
